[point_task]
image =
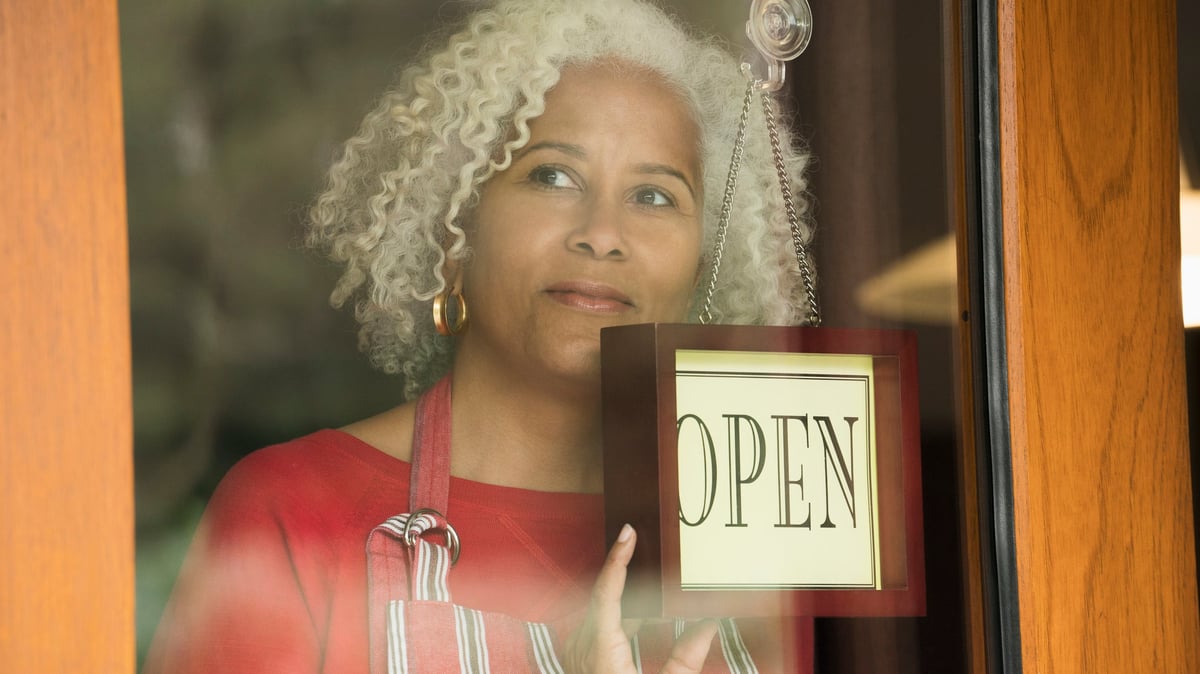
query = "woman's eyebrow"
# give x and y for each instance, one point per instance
(666, 170)
(566, 148)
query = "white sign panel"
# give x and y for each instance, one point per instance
(777, 474)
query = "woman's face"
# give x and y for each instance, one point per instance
(597, 222)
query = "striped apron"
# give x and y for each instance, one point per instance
(414, 626)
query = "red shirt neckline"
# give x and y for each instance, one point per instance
(526, 503)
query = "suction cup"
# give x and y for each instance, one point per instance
(780, 29)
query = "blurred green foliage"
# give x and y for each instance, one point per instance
(232, 113)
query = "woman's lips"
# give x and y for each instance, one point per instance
(590, 296)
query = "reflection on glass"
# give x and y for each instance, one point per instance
(233, 115)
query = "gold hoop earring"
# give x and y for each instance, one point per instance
(441, 317)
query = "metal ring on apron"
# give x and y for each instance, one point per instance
(410, 532)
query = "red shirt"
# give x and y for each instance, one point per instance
(275, 580)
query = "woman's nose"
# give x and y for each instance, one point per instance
(600, 232)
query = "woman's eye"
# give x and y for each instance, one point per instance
(551, 177)
(653, 197)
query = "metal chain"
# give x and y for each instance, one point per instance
(735, 162)
(802, 254)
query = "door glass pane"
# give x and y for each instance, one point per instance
(234, 113)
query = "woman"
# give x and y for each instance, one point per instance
(553, 168)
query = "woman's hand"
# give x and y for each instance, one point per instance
(601, 644)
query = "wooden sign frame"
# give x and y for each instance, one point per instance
(641, 468)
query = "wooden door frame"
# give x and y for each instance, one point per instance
(1089, 457)
(66, 459)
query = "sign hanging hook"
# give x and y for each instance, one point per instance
(780, 31)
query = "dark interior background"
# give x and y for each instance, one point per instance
(869, 95)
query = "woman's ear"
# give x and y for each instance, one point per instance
(452, 272)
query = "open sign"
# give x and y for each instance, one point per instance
(768, 471)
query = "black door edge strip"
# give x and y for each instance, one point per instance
(993, 437)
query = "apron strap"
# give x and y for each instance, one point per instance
(429, 484)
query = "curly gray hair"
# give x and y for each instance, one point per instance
(396, 200)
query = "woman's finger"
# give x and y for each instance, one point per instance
(691, 649)
(610, 584)
(600, 645)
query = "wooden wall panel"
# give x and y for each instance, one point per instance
(1105, 555)
(66, 495)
